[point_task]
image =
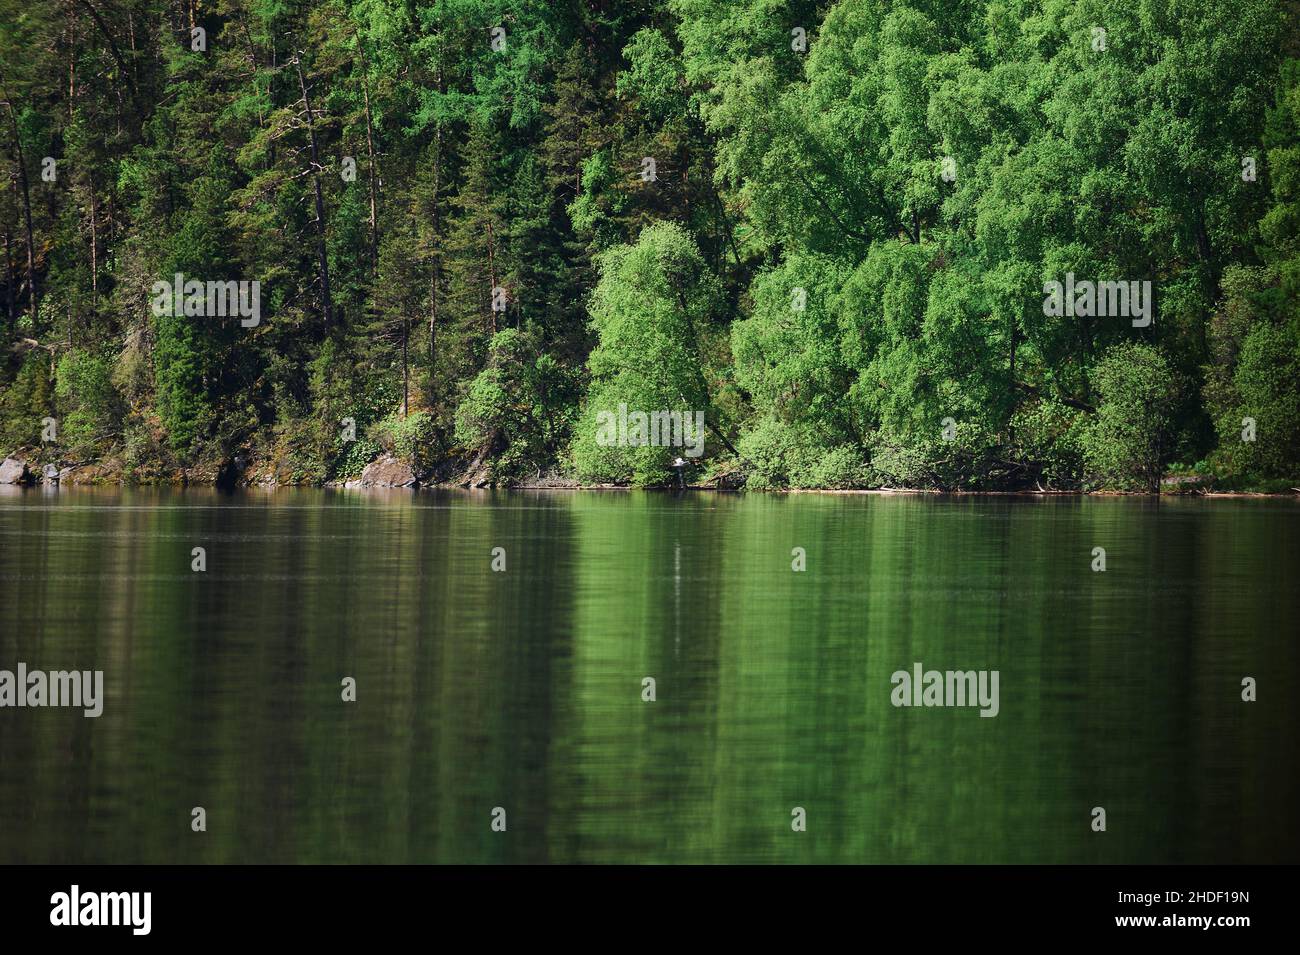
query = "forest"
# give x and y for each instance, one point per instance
(942, 244)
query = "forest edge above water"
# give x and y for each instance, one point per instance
(836, 253)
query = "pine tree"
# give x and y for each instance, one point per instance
(474, 264)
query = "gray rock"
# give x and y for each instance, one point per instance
(13, 471)
(388, 471)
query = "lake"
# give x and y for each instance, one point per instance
(522, 689)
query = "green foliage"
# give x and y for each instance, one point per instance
(518, 406)
(27, 399)
(1050, 438)
(648, 310)
(654, 75)
(178, 363)
(788, 351)
(1281, 225)
(595, 211)
(919, 171)
(89, 402)
(1125, 446)
(411, 439)
(1267, 383)
(342, 392)
(778, 455)
(967, 461)
(1251, 374)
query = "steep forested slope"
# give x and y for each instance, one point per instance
(866, 242)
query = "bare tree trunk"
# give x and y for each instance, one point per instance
(94, 243)
(721, 437)
(492, 273)
(433, 317)
(320, 200)
(135, 68)
(127, 74)
(437, 260)
(27, 206)
(374, 168)
(9, 284)
(252, 59)
(1015, 344)
(374, 185)
(406, 368)
(433, 320)
(274, 60)
(72, 64)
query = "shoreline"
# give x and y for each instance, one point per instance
(391, 475)
(15, 489)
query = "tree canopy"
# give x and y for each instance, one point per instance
(828, 227)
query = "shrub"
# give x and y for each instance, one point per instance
(92, 408)
(412, 439)
(1125, 445)
(25, 402)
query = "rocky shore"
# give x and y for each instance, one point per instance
(390, 471)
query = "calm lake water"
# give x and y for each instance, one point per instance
(523, 689)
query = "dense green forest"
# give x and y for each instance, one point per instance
(849, 237)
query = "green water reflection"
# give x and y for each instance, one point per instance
(523, 689)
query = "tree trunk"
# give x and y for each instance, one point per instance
(135, 69)
(321, 253)
(374, 172)
(9, 285)
(433, 319)
(94, 244)
(433, 279)
(72, 65)
(27, 208)
(721, 437)
(128, 74)
(406, 368)
(1015, 343)
(492, 274)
